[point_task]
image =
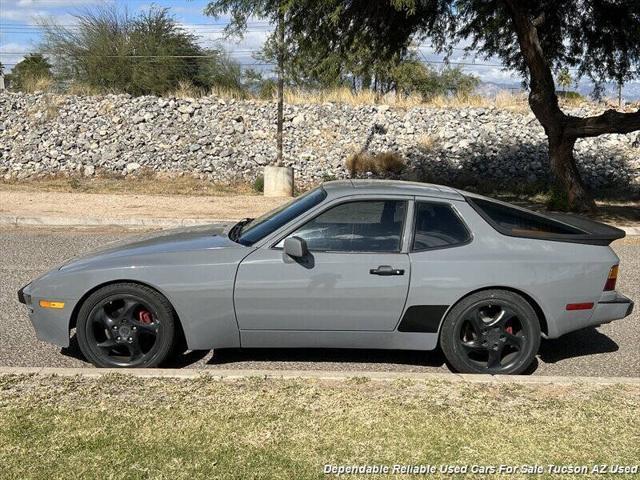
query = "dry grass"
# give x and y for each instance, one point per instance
(381, 163)
(427, 142)
(187, 90)
(37, 84)
(144, 183)
(229, 93)
(503, 100)
(134, 428)
(83, 89)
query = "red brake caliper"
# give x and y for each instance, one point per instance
(144, 317)
(509, 330)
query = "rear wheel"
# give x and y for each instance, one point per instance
(126, 325)
(493, 331)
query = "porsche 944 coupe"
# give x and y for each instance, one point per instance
(350, 264)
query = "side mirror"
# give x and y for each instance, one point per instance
(295, 247)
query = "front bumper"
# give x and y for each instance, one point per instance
(50, 325)
(22, 298)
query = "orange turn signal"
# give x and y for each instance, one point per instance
(51, 304)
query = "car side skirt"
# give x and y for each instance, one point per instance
(393, 340)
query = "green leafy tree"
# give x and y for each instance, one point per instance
(32, 68)
(564, 79)
(146, 54)
(600, 38)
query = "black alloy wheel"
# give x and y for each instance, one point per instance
(494, 331)
(126, 325)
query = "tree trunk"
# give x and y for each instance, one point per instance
(280, 87)
(567, 176)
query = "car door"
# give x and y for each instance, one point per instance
(355, 277)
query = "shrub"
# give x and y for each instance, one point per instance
(558, 199)
(150, 53)
(258, 184)
(381, 163)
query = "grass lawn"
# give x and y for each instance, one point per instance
(124, 427)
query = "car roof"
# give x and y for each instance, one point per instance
(390, 187)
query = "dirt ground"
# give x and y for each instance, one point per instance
(63, 204)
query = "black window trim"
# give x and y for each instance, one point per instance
(455, 212)
(405, 199)
(265, 239)
(559, 237)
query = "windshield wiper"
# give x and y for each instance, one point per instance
(236, 230)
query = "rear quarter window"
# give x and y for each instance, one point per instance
(517, 222)
(437, 225)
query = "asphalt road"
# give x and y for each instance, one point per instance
(611, 350)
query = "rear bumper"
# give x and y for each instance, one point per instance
(615, 309)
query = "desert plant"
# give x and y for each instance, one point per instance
(36, 84)
(258, 184)
(149, 53)
(380, 163)
(186, 89)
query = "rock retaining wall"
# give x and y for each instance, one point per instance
(231, 140)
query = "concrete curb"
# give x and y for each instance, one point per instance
(49, 221)
(216, 374)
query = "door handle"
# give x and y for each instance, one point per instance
(386, 270)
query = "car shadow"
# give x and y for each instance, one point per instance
(328, 355)
(588, 341)
(183, 359)
(73, 350)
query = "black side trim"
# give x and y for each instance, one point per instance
(422, 318)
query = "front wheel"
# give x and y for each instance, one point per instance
(493, 331)
(126, 325)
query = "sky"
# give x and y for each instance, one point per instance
(20, 34)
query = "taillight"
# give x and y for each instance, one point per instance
(611, 279)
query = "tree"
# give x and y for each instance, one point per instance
(599, 38)
(564, 79)
(146, 54)
(32, 68)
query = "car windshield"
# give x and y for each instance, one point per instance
(270, 222)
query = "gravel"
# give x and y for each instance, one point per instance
(231, 140)
(611, 350)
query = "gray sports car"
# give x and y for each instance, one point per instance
(352, 264)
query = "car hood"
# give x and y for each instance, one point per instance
(206, 237)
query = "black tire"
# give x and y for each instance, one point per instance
(126, 325)
(492, 331)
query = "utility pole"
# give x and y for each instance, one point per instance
(280, 84)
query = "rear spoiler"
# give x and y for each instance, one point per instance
(596, 233)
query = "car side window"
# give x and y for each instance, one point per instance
(437, 225)
(359, 226)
